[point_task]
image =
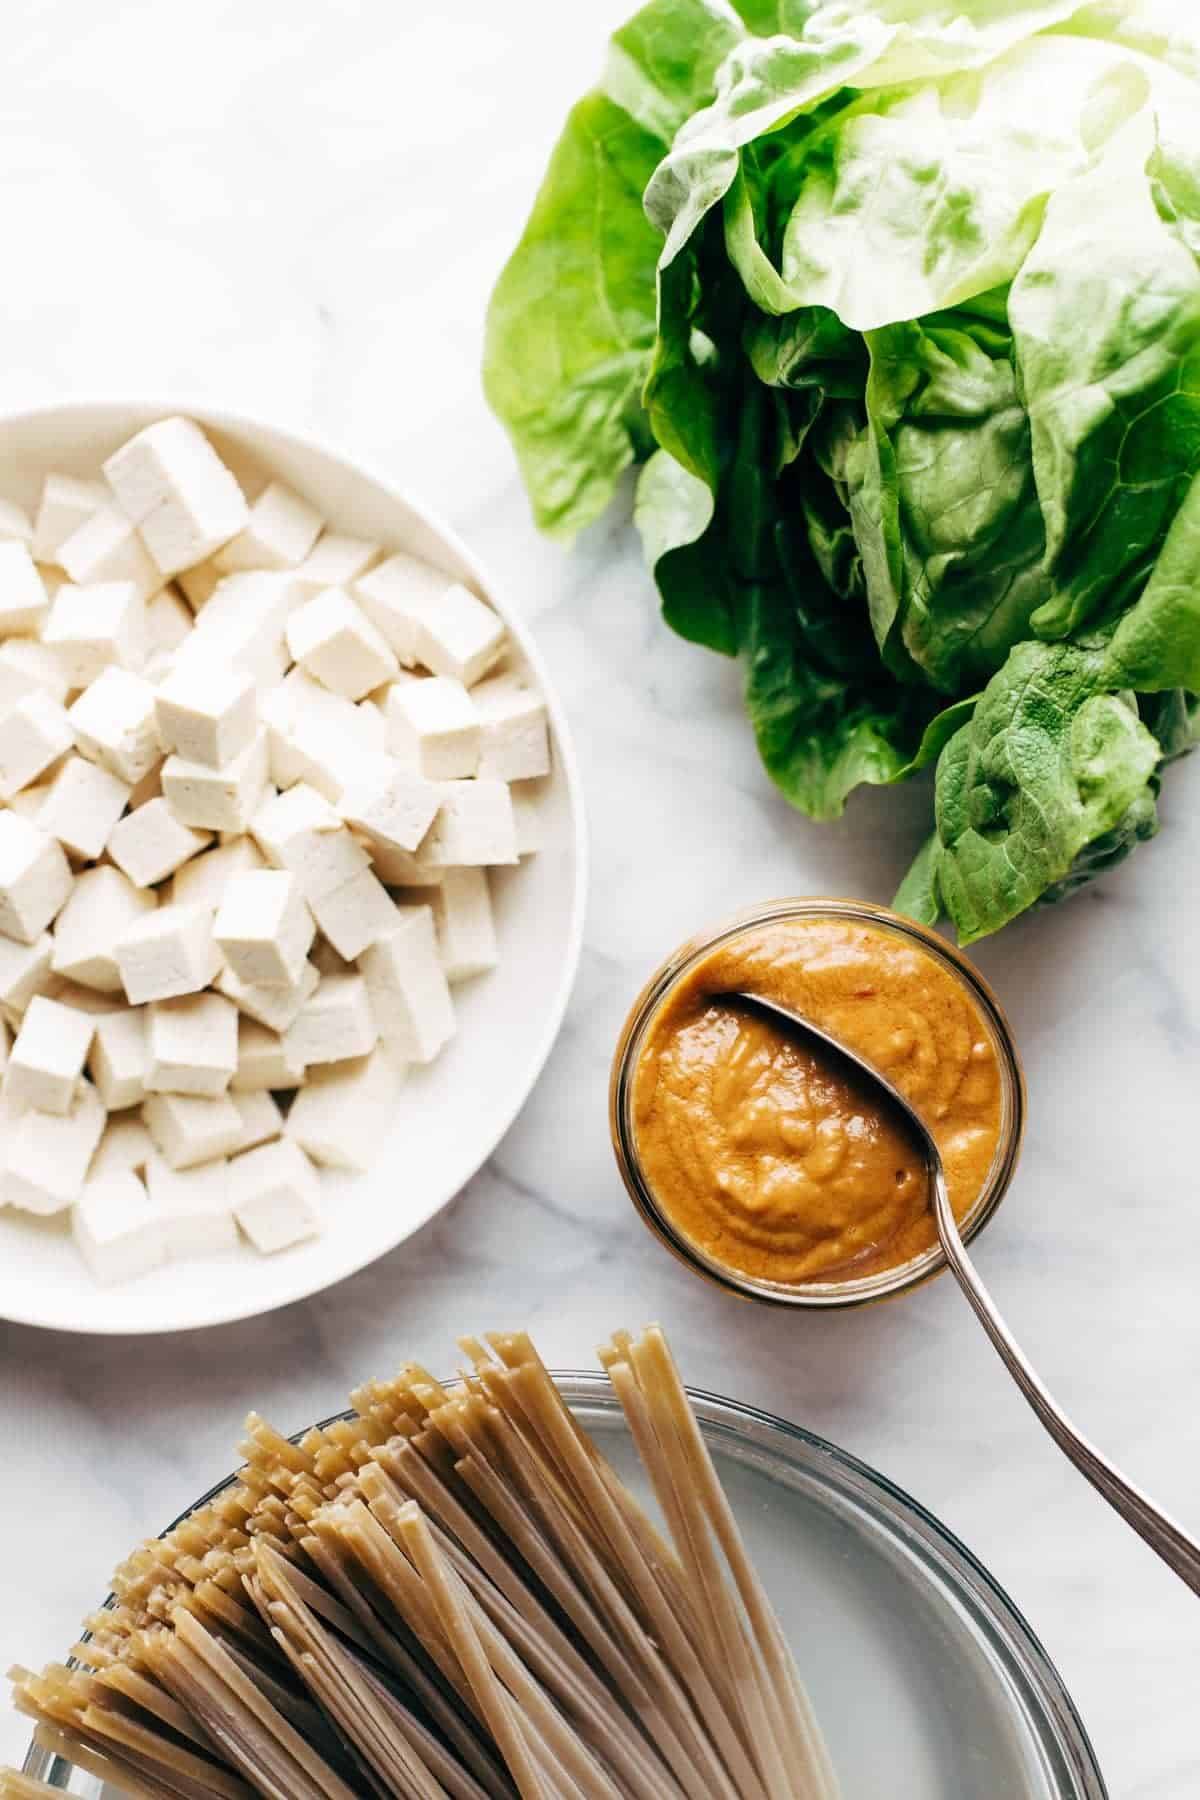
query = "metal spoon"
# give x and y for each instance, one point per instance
(1179, 1551)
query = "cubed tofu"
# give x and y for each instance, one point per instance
(45, 1157)
(118, 1058)
(335, 642)
(170, 481)
(526, 797)
(82, 806)
(151, 843)
(24, 971)
(191, 1045)
(104, 904)
(390, 806)
(335, 561)
(199, 584)
(433, 728)
(91, 629)
(114, 724)
(264, 929)
(355, 915)
(222, 799)
(34, 734)
(458, 635)
(35, 878)
(193, 1205)
(169, 952)
(275, 1007)
(343, 1113)
(107, 547)
(410, 996)
(48, 1057)
(462, 917)
(514, 743)
(189, 1129)
(66, 503)
(275, 1196)
(262, 1121)
(265, 1063)
(27, 667)
(279, 533)
(300, 831)
(242, 626)
(168, 622)
(207, 715)
(203, 881)
(125, 1144)
(15, 524)
(335, 1025)
(118, 1231)
(24, 602)
(392, 596)
(474, 826)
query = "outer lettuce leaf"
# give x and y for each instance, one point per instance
(1106, 323)
(1050, 764)
(943, 501)
(1157, 642)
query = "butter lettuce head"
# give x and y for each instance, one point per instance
(895, 308)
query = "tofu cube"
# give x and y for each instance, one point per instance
(264, 929)
(355, 915)
(45, 1157)
(275, 1196)
(407, 984)
(170, 481)
(299, 831)
(168, 622)
(433, 728)
(118, 1059)
(514, 738)
(191, 1045)
(93, 628)
(242, 626)
(457, 635)
(106, 547)
(126, 1144)
(118, 1230)
(265, 1063)
(193, 1206)
(27, 667)
(199, 584)
(114, 724)
(189, 1129)
(390, 806)
(82, 806)
(24, 602)
(33, 735)
(150, 844)
(24, 971)
(167, 953)
(66, 504)
(262, 1121)
(35, 878)
(15, 524)
(462, 918)
(405, 868)
(335, 642)
(104, 904)
(207, 715)
(526, 799)
(335, 561)
(474, 826)
(345, 1110)
(203, 881)
(48, 1057)
(274, 1007)
(222, 799)
(392, 596)
(335, 1025)
(279, 533)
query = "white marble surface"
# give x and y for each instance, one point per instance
(297, 208)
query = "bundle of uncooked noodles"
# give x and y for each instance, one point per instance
(449, 1593)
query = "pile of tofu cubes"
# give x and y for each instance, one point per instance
(252, 776)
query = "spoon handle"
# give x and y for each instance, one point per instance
(1179, 1551)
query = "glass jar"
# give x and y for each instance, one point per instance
(847, 1291)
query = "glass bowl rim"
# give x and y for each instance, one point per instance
(941, 1555)
(815, 1296)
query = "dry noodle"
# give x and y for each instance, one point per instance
(450, 1594)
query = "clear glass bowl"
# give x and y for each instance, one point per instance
(857, 1291)
(928, 1682)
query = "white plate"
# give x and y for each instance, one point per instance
(449, 1116)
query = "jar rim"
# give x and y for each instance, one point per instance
(885, 1284)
